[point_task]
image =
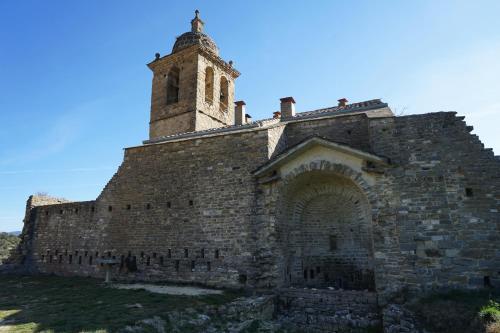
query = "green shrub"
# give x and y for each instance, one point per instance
(7, 243)
(490, 312)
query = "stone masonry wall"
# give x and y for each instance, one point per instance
(447, 190)
(328, 310)
(350, 129)
(177, 211)
(191, 211)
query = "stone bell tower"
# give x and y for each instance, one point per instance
(193, 88)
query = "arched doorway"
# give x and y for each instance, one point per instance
(326, 232)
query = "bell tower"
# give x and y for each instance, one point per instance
(193, 88)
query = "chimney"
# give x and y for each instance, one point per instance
(287, 107)
(276, 115)
(248, 118)
(343, 102)
(239, 113)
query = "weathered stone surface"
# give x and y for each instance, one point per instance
(409, 203)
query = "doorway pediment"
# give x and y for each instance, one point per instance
(316, 149)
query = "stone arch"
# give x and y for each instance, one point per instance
(224, 94)
(209, 85)
(173, 85)
(325, 227)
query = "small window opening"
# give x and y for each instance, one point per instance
(318, 270)
(169, 204)
(203, 253)
(110, 208)
(191, 202)
(122, 261)
(148, 206)
(90, 260)
(43, 257)
(92, 209)
(70, 259)
(86, 253)
(60, 211)
(46, 213)
(109, 253)
(148, 261)
(224, 92)
(311, 273)
(57, 252)
(217, 254)
(154, 254)
(242, 278)
(76, 210)
(333, 242)
(76, 252)
(209, 266)
(468, 192)
(486, 281)
(209, 85)
(79, 260)
(177, 265)
(142, 254)
(129, 207)
(173, 86)
(97, 254)
(349, 132)
(305, 274)
(192, 265)
(186, 253)
(50, 259)
(169, 253)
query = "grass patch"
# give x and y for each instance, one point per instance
(59, 304)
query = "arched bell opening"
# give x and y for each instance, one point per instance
(326, 233)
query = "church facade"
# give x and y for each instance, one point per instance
(350, 196)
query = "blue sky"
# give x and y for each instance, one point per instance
(75, 89)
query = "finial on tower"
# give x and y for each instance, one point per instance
(197, 23)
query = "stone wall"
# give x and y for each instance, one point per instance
(350, 129)
(192, 211)
(446, 191)
(328, 310)
(176, 211)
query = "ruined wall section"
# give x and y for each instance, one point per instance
(351, 130)
(67, 236)
(446, 187)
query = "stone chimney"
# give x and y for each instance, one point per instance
(248, 118)
(287, 107)
(276, 115)
(343, 102)
(239, 113)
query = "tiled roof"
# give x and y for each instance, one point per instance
(354, 107)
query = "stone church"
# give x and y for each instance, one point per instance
(346, 197)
